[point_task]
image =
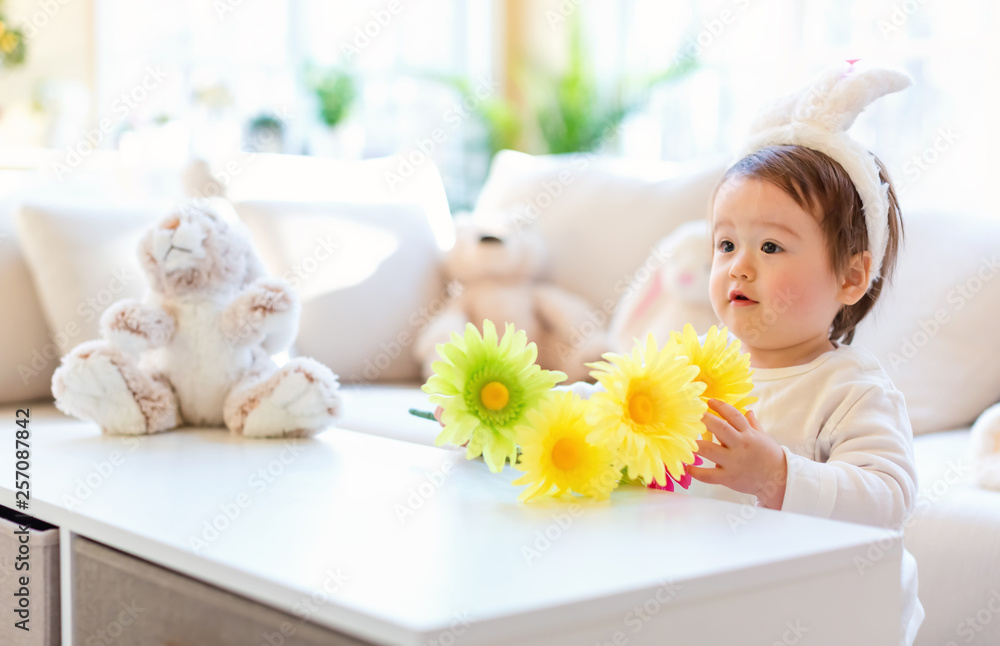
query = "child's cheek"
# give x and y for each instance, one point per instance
(717, 287)
(787, 296)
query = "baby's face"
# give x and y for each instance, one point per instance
(771, 281)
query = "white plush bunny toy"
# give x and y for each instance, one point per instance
(674, 292)
(198, 351)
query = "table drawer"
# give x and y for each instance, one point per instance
(43, 580)
(122, 600)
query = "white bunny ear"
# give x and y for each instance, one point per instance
(774, 114)
(841, 99)
(799, 103)
(834, 99)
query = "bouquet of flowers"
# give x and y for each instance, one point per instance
(642, 428)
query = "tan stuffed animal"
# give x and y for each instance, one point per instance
(499, 266)
(669, 290)
(198, 351)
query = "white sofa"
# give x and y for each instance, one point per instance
(363, 251)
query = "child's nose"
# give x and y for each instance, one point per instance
(742, 268)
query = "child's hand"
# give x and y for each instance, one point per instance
(748, 461)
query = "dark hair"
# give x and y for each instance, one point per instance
(821, 186)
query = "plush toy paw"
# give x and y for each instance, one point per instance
(266, 312)
(572, 358)
(97, 382)
(300, 399)
(986, 448)
(133, 327)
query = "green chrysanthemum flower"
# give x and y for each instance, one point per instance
(485, 386)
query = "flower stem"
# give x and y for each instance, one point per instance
(423, 413)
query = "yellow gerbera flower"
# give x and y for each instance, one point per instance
(722, 368)
(556, 455)
(485, 385)
(652, 410)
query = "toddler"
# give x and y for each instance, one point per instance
(806, 229)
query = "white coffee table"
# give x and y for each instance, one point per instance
(427, 547)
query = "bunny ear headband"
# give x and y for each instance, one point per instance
(818, 116)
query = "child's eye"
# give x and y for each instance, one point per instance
(770, 247)
(726, 246)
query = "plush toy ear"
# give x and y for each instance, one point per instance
(464, 221)
(148, 261)
(649, 293)
(985, 448)
(198, 181)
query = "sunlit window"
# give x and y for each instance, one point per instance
(668, 79)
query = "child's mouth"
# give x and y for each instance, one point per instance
(740, 300)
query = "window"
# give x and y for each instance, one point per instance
(227, 62)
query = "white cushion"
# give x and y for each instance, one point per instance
(28, 350)
(366, 274)
(954, 534)
(28, 356)
(935, 330)
(386, 180)
(83, 258)
(599, 223)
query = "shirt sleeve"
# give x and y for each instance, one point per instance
(869, 475)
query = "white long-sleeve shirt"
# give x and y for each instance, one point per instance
(847, 440)
(849, 447)
(846, 436)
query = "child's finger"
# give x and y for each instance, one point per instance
(720, 428)
(437, 415)
(752, 418)
(708, 475)
(711, 451)
(730, 414)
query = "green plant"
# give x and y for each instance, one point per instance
(336, 91)
(574, 116)
(12, 44)
(497, 116)
(266, 121)
(265, 132)
(570, 110)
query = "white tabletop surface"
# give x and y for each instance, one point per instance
(329, 511)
